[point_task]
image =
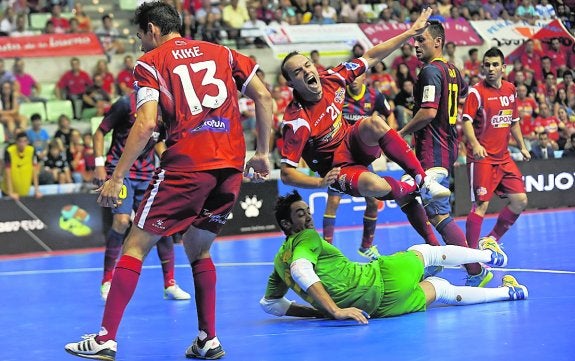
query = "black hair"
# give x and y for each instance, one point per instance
(282, 67)
(35, 116)
(160, 14)
(494, 52)
(21, 134)
(436, 30)
(282, 208)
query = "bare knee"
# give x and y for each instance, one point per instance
(371, 205)
(518, 203)
(372, 129)
(121, 223)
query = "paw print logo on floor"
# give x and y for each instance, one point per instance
(73, 219)
(251, 206)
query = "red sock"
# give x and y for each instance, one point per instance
(205, 286)
(165, 248)
(397, 149)
(418, 218)
(453, 235)
(504, 221)
(124, 284)
(473, 229)
(369, 224)
(114, 242)
(399, 189)
(328, 227)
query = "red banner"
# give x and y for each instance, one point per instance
(50, 45)
(458, 31)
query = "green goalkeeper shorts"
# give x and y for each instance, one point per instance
(401, 273)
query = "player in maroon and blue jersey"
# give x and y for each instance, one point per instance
(119, 120)
(437, 93)
(194, 86)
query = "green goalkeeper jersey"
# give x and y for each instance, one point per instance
(349, 284)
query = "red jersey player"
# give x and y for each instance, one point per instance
(194, 85)
(489, 115)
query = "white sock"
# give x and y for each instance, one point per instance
(463, 295)
(450, 255)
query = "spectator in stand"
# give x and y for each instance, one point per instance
(10, 117)
(35, 6)
(531, 59)
(77, 163)
(455, 13)
(558, 56)
(21, 27)
(525, 11)
(451, 57)
(527, 107)
(402, 74)
(547, 123)
(8, 22)
(29, 87)
(49, 28)
(352, 12)
(547, 91)
(408, 58)
(357, 51)
(84, 21)
(109, 36)
(208, 16)
(74, 26)
(286, 90)
(73, 85)
(561, 101)
(569, 151)
(56, 163)
(234, 15)
(189, 26)
(517, 67)
(38, 136)
(252, 33)
(265, 11)
(318, 18)
(61, 25)
(530, 82)
(404, 103)
(493, 9)
(387, 16)
(125, 79)
(328, 11)
(108, 81)
(303, 11)
(20, 169)
(6, 75)
(543, 149)
(435, 15)
(472, 66)
(96, 101)
(288, 13)
(89, 157)
(386, 82)
(473, 10)
(546, 67)
(568, 84)
(64, 130)
(314, 56)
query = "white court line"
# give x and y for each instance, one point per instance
(243, 264)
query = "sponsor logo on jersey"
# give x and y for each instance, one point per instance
(339, 95)
(503, 119)
(351, 66)
(342, 182)
(334, 129)
(428, 94)
(214, 124)
(218, 218)
(481, 191)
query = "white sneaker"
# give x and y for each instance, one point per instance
(105, 289)
(176, 293)
(212, 350)
(431, 187)
(90, 348)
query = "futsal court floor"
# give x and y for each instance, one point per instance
(51, 300)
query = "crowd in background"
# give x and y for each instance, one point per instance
(543, 74)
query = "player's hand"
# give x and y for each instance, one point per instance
(526, 154)
(37, 194)
(109, 193)
(15, 196)
(258, 167)
(99, 176)
(421, 23)
(351, 313)
(330, 177)
(479, 152)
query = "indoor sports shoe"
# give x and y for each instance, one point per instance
(105, 289)
(431, 187)
(516, 291)
(431, 271)
(90, 348)
(370, 253)
(212, 350)
(498, 257)
(176, 293)
(479, 280)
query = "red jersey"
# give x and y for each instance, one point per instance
(74, 84)
(313, 131)
(197, 83)
(550, 124)
(492, 112)
(126, 77)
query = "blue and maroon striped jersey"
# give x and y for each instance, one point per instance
(440, 86)
(364, 104)
(119, 119)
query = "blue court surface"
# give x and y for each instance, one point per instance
(49, 301)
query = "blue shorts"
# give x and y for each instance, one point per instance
(439, 206)
(135, 190)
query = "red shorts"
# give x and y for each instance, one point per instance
(174, 201)
(354, 157)
(501, 179)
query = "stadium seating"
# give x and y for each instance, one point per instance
(47, 91)
(128, 5)
(38, 20)
(55, 108)
(27, 109)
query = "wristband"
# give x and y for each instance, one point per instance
(100, 161)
